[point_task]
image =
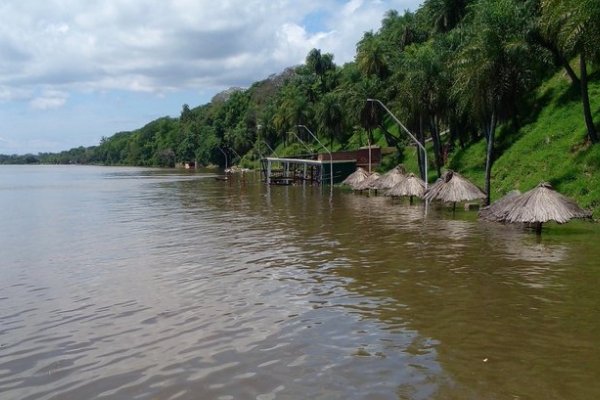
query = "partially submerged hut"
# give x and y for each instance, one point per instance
(541, 204)
(411, 186)
(453, 188)
(497, 210)
(391, 178)
(368, 183)
(356, 177)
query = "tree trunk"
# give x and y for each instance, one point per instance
(491, 132)
(392, 140)
(574, 79)
(437, 148)
(420, 157)
(559, 58)
(585, 99)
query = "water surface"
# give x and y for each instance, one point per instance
(124, 283)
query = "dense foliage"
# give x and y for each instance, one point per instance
(462, 67)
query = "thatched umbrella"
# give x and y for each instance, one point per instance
(368, 183)
(453, 188)
(356, 177)
(497, 211)
(410, 186)
(541, 204)
(391, 178)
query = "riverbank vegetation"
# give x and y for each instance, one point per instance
(505, 91)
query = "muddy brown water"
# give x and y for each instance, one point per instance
(124, 283)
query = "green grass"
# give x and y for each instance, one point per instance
(552, 147)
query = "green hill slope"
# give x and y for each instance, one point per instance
(550, 147)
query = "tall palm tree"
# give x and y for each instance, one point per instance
(424, 86)
(293, 109)
(492, 68)
(320, 64)
(576, 24)
(371, 56)
(444, 15)
(331, 116)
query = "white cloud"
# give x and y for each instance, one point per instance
(99, 45)
(54, 53)
(48, 100)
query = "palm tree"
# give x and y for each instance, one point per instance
(424, 86)
(331, 116)
(576, 24)
(371, 56)
(444, 15)
(492, 68)
(319, 63)
(294, 108)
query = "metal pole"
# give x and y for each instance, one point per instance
(270, 148)
(369, 143)
(224, 155)
(259, 127)
(409, 134)
(310, 151)
(236, 153)
(326, 149)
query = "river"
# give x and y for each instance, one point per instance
(125, 283)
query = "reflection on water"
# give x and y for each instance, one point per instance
(125, 282)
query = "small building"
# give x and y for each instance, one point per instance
(318, 168)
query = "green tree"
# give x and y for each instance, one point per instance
(424, 85)
(293, 109)
(493, 68)
(575, 25)
(331, 116)
(371, 56)
(444, 15)
(319, 63)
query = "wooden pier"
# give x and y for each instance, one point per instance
(288, 171)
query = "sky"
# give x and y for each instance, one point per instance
(73, 71)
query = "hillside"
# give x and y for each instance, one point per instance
(494, 68)
(551, 147)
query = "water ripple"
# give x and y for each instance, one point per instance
(140, 283)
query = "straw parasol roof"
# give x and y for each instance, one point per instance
(497, 211)
(453, 188)
(368, 183)
(539, 205)
(356, 177)
(411, 186)
(391, 178)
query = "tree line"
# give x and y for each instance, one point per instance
(461, 67)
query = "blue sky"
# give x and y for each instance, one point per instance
(73, 71)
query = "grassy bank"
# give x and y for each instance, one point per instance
(550, 147)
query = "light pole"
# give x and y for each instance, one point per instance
(270, 148)
(326, 149)
(408, 132)
(224, 155)
(259, 127)
(310, 151)
(236, 153)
